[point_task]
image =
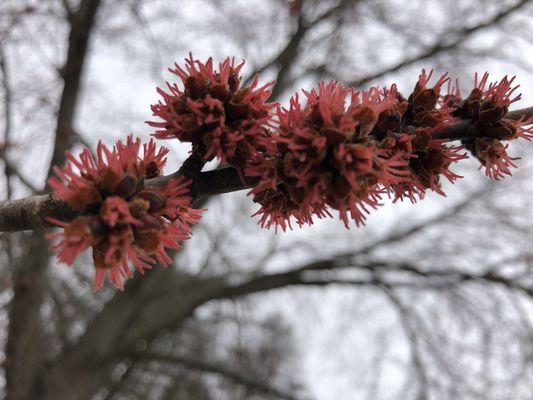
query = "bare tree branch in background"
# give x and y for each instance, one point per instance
(444, 44)
(212, 368)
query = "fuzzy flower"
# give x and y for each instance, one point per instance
(486, 107)
(344, 150)
(214, 112)
(431, 159)
(488, 103)
(124, 220)
(424, 97)
(326, 158)
(362, 173)
(423, 101)
(391, 118)
(497, 97)
(493, 157)
(520, 128)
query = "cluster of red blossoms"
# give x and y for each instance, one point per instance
(122, 219)
(220, 118)
(486, 108)
(342, 150)
(345, 150)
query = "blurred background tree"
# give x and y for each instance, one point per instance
(432, 301)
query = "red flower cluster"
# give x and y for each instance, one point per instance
(486, 107)
(122, 219)
(493, 156)
(325, 158)
(213, 112)
(345, 150)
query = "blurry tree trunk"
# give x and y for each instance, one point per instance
(25, 352)
(24, 349)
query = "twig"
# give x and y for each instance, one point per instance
(440, 45)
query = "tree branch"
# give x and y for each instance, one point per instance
(289, 53)
(411, 334)
(82, 22)
(441, 45)
(217, 369)
(32, 212)
(25, 348)
(11, 170)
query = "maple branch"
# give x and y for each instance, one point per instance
(32, 212)
(217, 369)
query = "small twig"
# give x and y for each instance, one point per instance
(442, 45)
(11, 169)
